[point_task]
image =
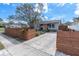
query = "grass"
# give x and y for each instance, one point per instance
(1, 29)
(1, 46)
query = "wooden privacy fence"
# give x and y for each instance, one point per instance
(21, 33)
(68, 42)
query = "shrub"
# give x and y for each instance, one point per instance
(23, 30)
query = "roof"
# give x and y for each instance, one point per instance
(51, 21)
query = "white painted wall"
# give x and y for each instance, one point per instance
(54, 28)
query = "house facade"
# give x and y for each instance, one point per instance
(49, 25)
(43, 25)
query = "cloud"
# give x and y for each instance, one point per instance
(61, 17)
(70, 20)
(57, 17)
(36, 8)
(45, 7)
(14, 4)
(61, 4)
(6, 3)
(77, 10)
(45, 17)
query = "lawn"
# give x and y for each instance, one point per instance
(1, 29)
(1, 46)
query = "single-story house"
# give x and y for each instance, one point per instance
(43, 25)
(49, 25)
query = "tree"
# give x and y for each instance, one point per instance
(1, 22)
(68, 23)
(76, 19)
(29, 13)
(1, 19)
(11, 17)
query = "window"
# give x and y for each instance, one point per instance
(49, 25)
(53, 25)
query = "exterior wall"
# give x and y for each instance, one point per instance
(36, 26)
(68, 42)
(17, 32)
(56, 26)
(45, 26)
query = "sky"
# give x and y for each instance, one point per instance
(63, 11)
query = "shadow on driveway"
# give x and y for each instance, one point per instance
(12, 39)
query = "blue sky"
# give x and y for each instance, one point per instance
(63, 11)
(6, 10)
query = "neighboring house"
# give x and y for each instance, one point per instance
(68, 23)
(49, 25)
(15, 25)
(74, 26)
